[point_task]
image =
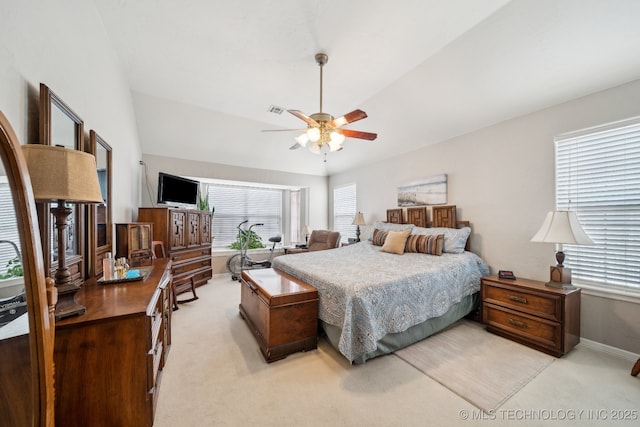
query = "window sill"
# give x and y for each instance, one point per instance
(610, 293)
(229, 252)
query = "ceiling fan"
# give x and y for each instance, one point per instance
(323, 130)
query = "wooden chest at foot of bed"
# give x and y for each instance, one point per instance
(281, 311)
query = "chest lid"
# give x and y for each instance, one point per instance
(279, 288)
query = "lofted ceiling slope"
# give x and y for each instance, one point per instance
(203, 73)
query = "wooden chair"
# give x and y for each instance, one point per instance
(183, 284)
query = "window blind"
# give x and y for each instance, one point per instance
(9, 226)
(598, 177)
(234, 204)
(344, 209)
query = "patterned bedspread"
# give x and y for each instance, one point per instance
(368, 293)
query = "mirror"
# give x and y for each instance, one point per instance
(100, 215)
(27, 334)
(59, 125)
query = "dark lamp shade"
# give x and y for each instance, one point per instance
(58, 173)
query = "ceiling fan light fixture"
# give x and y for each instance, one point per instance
(315, 148)
(323, 129)
(333, 146)
(336, 138)
(302, 139)
(313, 134)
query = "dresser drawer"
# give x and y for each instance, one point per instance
(530, 329)
(184, 256)
(192, 266)
(527, 301)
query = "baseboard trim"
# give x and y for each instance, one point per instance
(614, 351)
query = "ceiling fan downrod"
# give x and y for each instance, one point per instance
(321, 59)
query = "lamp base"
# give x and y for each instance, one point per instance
(67, 305)
(560, 278)
(559, 285)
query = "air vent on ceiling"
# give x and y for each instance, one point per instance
(275, 109)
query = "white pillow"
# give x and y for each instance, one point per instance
(455, 239)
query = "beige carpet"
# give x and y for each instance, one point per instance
(480, 367)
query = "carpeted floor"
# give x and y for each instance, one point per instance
(216, 376)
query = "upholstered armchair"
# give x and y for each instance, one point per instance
(320, 240)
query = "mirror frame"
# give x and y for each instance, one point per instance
(97, 252)
(48, 99)
(40, 296)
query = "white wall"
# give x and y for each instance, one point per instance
(502, 180)
(317, 185)
(63, 45)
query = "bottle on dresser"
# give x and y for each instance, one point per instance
(108, 267)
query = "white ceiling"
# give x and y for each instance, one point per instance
(204, 72)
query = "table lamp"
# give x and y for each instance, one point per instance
(561, 227)
(358, 220)
(64, 176)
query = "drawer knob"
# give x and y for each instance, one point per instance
(518, 299)
(517, 323)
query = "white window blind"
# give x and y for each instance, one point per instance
(234, 204)
(598, 177)
(9, 226)
(344, 209)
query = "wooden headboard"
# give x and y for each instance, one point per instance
(441, 216)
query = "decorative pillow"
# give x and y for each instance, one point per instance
(395, 241)
(378, 237)
(455, 239)
(386, 226)
(426, 244)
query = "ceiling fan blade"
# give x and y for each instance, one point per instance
(349, 133)
(302, 116)
(351, 117)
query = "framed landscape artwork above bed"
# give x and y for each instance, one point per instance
(428, 191)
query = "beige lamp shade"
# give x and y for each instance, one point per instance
(58, 173)
(306, 230)
(358, 219)
(562, 227)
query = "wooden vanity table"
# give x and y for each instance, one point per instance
(108, 361)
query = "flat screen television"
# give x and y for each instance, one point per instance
(176, 189)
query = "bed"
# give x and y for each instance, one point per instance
(373, 302)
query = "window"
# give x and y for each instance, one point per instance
(9, 229)
(236, 203)
(598, 177)
(344, 209)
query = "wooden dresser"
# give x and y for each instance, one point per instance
(186, 235)
(108, 362)
(281, 312)
(531, 313)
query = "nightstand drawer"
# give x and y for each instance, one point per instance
(530, 329)
(527, 301)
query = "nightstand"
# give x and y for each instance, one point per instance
(527, 311)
